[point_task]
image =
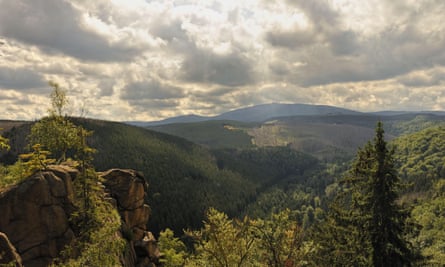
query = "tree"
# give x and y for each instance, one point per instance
(367, 208)
(174, 251)
(59, 101)
(223, 242)
(57, 133)
(280, 241)
(387, 220)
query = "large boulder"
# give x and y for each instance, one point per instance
(35, 215)
(128, 188)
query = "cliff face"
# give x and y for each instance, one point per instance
(34, 216)
(35, 213)
(128, 190)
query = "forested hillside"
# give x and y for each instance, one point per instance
(262, 182)
(183, 177)
(329, 137)
(186, 179)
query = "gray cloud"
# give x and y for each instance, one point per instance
(55, 26)
(150, 90)
(200, 64)
(142, 105)
(289, 39)
(106, 87)
(203, 66)
(21, 79)
(343, 43)
(222, 96)
(423, 78)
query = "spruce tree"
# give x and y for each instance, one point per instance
(387, 220)
(366, 210)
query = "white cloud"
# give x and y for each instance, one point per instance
(150, 59)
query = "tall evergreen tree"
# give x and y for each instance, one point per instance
(386, 224)
(367, 208)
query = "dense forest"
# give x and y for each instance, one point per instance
(248, 204)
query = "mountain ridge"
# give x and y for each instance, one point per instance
(265, 112)
(256, 113)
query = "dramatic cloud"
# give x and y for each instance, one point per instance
(58, 27)
(147, 60)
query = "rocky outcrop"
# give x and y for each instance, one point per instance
(8, 254)
(34, 216)
(128, 188)
(35, 213)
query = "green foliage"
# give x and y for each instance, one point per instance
(174, 251)
(276, 241)
(99, 242)
(223, 242)
(27, 165)
(410, 124)
(280, 240)
(13, 174)
(4, 143)
(56, 132)
(367, 208)
(420, 157)
(36, 160)
(430, 214)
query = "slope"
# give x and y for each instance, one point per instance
(186, 179)
(326, 137)
(183, 177)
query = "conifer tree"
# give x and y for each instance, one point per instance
(386, 221)
(366, 210)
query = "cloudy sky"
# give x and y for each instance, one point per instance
(149, 60)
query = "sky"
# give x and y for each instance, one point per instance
(147, 60)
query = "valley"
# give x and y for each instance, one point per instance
(257, 168)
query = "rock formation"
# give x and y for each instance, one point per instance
(35, 216)
(129, 188)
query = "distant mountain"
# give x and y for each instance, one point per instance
(266, 112)
(259, 113)
(179, 119)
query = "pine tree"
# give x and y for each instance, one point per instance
(366, 209)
